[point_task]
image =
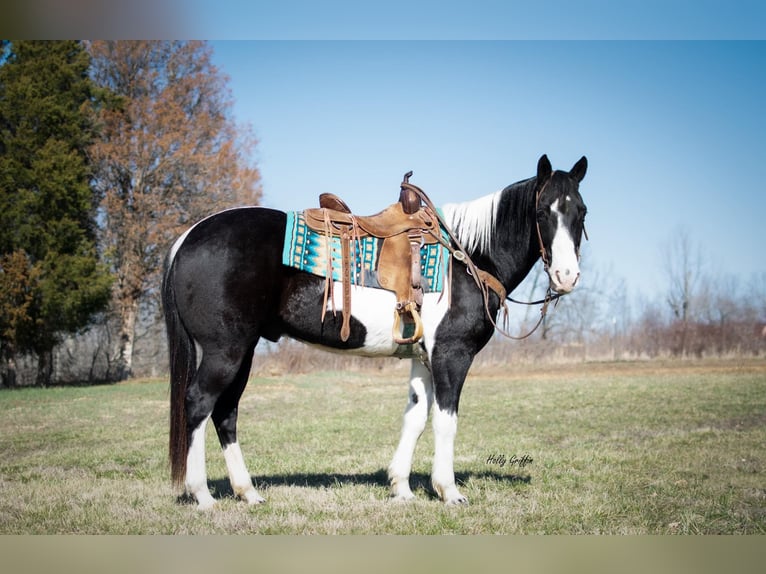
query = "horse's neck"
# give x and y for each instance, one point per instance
(498, 232)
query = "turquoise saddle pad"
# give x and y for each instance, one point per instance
(307, 250)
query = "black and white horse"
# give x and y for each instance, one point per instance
(225, 287)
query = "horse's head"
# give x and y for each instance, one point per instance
(560, 222)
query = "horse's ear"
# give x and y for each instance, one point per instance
(543, 169)
(579, 169)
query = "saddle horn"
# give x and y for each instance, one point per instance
(409, 199)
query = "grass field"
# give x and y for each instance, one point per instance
(613, 448)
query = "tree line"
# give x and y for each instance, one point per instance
(108, 150)
(694, 312)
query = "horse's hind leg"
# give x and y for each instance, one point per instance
(225, 420)
(195, 482)
(415, 416)
(216, 378)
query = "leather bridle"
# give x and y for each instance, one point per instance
(550, 296)
(543, 252)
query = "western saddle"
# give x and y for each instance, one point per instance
(402, 228)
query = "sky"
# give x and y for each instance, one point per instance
(664, 97)
(673, 132)
(385, 19)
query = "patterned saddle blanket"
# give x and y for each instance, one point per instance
(310, 251)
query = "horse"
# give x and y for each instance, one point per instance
(224, 288)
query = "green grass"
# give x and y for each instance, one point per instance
(623, 448)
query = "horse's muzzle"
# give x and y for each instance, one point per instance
(563, 281)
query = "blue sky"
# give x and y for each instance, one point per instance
(673, 131)
(472, 19)
(387, 19)
(665, 97)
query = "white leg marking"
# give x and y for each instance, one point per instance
(196, 477)
(241, 483)
(443, 473)
(415, 417)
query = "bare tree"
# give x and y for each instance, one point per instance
(170, 153)
(683, 266)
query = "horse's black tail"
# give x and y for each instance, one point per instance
(183, 366)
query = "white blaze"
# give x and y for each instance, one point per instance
(564, 268)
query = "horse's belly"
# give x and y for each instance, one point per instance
(375, 309)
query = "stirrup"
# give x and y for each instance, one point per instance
(408, 308)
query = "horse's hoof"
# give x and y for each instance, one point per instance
(206, 505)
(204, 499)
(457, 501)
(253, 498)
(403, 497)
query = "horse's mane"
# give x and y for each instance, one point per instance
(474, 222)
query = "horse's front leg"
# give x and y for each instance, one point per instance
(449, 374)
(415, 416)
(443, 473)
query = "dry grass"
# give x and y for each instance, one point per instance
(619, 448)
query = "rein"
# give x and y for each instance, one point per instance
(484, 280)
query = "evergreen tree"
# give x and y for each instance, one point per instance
(51, 280)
